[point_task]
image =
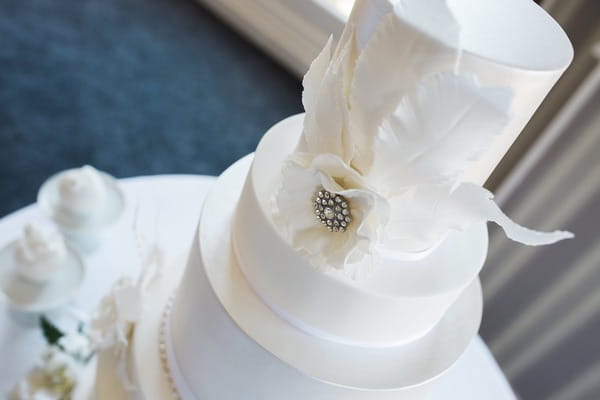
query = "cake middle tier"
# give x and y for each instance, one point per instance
(399, 302)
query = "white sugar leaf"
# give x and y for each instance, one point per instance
(470, 202)
(416, 223)
(394, 57)
(326, 113)
(314, 77)
(422, 217)
(438, 130)
(365, 18)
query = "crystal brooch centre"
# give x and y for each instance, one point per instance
(333, 210)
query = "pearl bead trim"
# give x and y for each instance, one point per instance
(162, 347)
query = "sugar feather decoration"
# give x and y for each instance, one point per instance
(398, 136)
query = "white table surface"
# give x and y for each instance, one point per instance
(167, 209)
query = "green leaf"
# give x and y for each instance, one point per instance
(51, 333)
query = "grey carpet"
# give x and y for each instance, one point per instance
(133, 87)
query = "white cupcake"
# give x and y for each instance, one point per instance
(81, 191)
(40, 253)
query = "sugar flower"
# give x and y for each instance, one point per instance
(329, 246)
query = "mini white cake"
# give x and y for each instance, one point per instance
(82, 191)
(40, 253)
(340, 261)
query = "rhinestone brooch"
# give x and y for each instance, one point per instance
(333, 210)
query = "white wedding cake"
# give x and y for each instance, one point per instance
(341, 259)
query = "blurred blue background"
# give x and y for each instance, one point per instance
(133, 87)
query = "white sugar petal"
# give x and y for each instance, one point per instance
(476, 203)
(365, 18)
(422, 217)
(379, 85)
(314, 77)
(326, 118)
(438, 130)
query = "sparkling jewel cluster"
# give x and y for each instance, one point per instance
(162, 346)
(333, 210)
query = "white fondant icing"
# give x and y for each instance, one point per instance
(513, 44)
(516, 33)
(399, 302)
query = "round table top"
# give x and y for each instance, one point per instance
(166, 209)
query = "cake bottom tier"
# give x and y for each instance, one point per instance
(462, 381)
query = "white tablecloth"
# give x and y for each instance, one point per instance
(167, 209)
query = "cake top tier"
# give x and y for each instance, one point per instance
(371, 207)
(403, 125)
(514, 33)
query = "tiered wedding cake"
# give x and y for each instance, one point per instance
(340, 261)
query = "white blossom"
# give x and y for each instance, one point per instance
(303, 176)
